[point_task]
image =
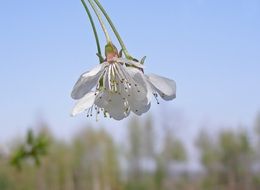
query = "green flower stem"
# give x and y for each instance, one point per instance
(94, 29)
(100, 20)
(114, 29)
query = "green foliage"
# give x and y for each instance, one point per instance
(34, 148)
(227, 159)
(257, 125)
(4, 182)
(209, 153)
(174, 149)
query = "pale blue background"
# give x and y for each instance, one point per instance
(211, 48)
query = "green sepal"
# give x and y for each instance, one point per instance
(134, 59)
(110, 49)
(143, 60)
(120, 53)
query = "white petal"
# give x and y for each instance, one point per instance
(142, 79)
(84, 103)
(164, 86)
(87, 81)
(138, 99)
(114, 104)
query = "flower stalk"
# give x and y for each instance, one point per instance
(94, 30)
(100, 20)
(114, 29)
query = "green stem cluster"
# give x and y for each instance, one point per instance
(100, 20)
(93, 4)
(114, 29)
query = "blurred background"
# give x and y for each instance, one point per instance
(207, 138)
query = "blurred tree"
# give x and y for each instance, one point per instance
(257, 125)
(148, 139)
(141, 154)
(173, 149)
(134, 155)
(227, 160)
(209, 154)
(173, 153)
(257, 151)
(5, 183)
(96, 161)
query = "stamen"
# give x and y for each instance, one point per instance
(97, 113)
(91, 109)
(156, 97)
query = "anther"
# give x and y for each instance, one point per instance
(156, 97)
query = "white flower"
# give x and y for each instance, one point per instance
(120, 87)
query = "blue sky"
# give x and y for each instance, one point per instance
(211, 49)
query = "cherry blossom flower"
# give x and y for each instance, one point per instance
(119, 88)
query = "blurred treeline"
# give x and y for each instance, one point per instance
(149, 157)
